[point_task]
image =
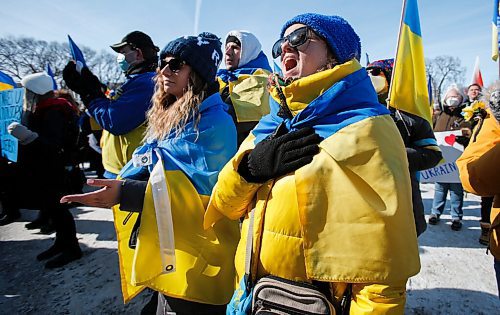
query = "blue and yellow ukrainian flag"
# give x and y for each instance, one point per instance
(494, 30)
(408, 90)
(51, 74)
(6, 82)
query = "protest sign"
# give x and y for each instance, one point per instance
(11, 107)
(447, 170)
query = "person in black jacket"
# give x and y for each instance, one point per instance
(47, 135)
(421, 147)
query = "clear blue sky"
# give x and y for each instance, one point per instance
(458, 28)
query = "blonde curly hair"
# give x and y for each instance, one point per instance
(168, 114)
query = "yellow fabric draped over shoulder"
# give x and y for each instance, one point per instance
(354, 204)
(249, 95)
(204, 258)
(117, 150)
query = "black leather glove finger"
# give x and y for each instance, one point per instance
(292, 148)
(495, 104)
(72, 78)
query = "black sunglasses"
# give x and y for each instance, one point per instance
(174, 64)
(295, 39)
(375, 71)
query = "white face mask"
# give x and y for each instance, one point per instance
(379, 83)
(452, 101)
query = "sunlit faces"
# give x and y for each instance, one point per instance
(175, 76)
(379, 81)
(232, 55)
(453, 99)
(304, 59)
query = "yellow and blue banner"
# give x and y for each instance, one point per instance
(494, 30)
(408, 90)
(6, 82)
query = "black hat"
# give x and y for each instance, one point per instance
(136, 39)
(203, 53)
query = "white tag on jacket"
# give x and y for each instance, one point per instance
(163, 212)
(140, 160)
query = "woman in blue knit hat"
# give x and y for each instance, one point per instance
(327, 176)
(163, 192)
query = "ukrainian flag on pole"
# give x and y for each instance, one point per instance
(494, 31)
(408, 90)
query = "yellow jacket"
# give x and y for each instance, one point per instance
(479, 168)
(344, 218)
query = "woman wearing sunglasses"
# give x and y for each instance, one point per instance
(336, 213)
(189, 137)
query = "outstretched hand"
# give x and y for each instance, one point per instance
(106, 197)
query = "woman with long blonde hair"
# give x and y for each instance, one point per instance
(163, 192)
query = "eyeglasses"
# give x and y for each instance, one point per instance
(294, 39)
(375, 71)
(174, 64)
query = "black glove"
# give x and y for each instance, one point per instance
(72, 78)
(463, 140)
(86, 84)
(279, 156)
(495, 104)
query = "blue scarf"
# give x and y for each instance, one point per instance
(347, 101)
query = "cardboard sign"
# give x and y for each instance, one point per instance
(447, 170)
(11, 107)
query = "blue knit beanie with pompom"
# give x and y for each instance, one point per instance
(340, 36)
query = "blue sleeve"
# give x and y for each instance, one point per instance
(126, 113)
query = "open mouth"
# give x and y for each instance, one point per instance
(290, 63)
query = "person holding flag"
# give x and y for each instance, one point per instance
(243, 84)
(422, 150)
(189, 137)
(123, 117)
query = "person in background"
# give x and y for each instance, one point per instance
(474, 92)
(47, 135)
(191, 135)
(479, 169)
(422, 150)
(451, 118)
(312, 170)
(243, 84)
(123, 117)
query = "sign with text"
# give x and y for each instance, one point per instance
(11, 107)
(447, 170)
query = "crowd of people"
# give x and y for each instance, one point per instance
(223, 178)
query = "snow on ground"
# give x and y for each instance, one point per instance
(457, 276)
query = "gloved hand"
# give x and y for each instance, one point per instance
(495, 104)
(22, 133)
(72, 78)
(86, 84)
(280, 156)
(463, 140)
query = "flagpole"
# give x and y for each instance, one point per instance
(396, 54)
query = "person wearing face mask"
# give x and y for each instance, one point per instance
(450, 119)
(123, 116)
(422, 150)
(243, 84)
(311, 171)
